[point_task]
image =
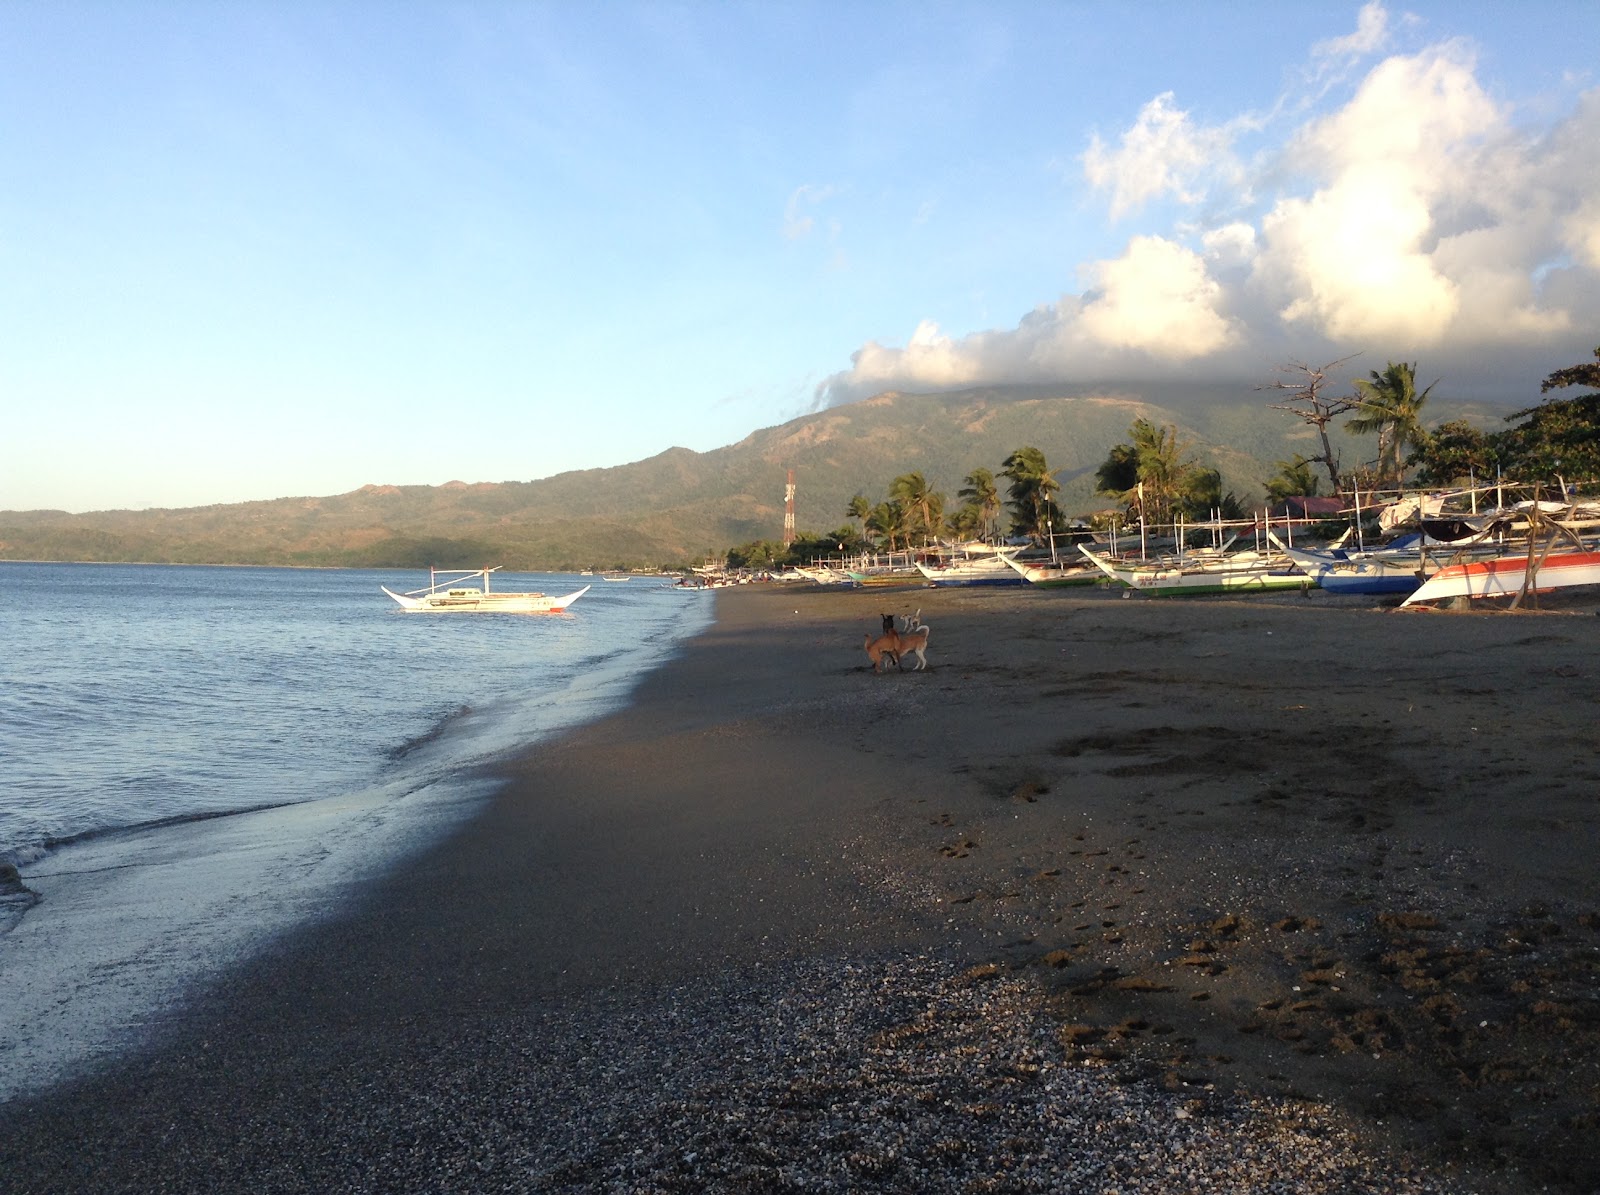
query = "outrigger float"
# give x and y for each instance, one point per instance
(453, 596)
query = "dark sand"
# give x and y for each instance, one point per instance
(1226, 849)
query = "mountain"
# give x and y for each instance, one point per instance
(681, 505)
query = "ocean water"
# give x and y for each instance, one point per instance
(132, 695)
(198, 760)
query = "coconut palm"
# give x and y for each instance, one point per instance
(1294, 479)
(858, 510)
(1033, 488)
(1163, 469)
(922, 504)
(1391, 406)
(887, 523)
(1151, 475)
(980, 494)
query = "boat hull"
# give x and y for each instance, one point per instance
(1369, 576)
(1507, 576)
(1213, 580)
(485, 603)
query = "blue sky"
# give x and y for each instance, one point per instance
(250, 250)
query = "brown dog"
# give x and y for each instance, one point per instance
(886, 644)
(913, 640)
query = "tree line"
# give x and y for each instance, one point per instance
(1556, 438)
(1152, 476)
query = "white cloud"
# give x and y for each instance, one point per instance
(1416, 219)
(1370, 36)
(1157, 298)
(1370, 257)
(1164, 152)
(1231, 245)
(1350, 255)
(1582, 231)
(930, 360)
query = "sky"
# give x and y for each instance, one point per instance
(253, 250)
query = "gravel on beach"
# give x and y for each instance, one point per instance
(1114, 897)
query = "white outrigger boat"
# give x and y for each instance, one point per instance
(453, 596)
(1204, 573)
(962, 566)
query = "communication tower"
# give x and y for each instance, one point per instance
(788, 511)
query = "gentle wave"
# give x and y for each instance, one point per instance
(146, 693)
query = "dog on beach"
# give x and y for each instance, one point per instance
(884, 645)
(913, 640)
(896, 642)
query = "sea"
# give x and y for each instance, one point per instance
(195, 759)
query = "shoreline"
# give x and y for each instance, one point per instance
(1103, 840)
(109, 933)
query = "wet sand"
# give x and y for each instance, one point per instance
(1115, 894)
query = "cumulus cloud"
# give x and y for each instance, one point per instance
(930, 360)
(1164, 152)
(1416, 217)
(1422, 225)
(1158, 299)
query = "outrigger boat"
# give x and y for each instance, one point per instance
(453, 596)
(1509, 576)
(1056, 574)
(970, 568)
(1243, 572)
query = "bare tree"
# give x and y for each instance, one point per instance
(1303, 387)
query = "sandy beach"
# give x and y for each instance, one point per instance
(1117, 895)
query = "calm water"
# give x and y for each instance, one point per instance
(132, 695)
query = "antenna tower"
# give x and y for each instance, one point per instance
(788, 511)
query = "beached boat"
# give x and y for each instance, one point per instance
(1509, 576)
(1365, 573)
(990, 568)
(1249, 572)
(454, 596)
(885, 574)
(1057, 574)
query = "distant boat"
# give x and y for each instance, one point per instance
(609, 577)
(454, 596)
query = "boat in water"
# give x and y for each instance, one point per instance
(454, 595)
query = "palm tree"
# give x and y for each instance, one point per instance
(966, 524)
(1163, 470)
(888, 522)
(1294, 479)
(1390, 405)
(1150, 475)
(979, 492)
(1033, 487)
(923, 505)
(858, 510)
